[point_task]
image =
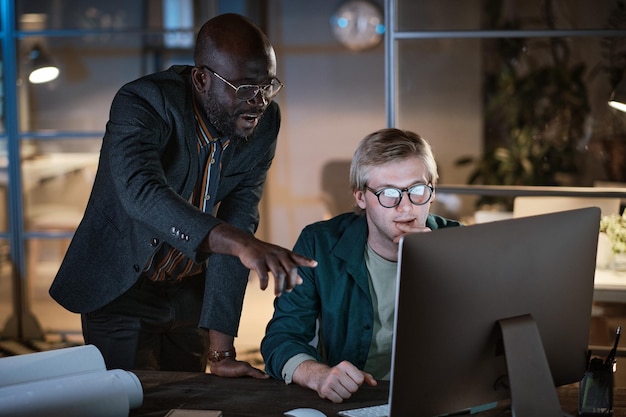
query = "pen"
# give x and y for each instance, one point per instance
(611, 357)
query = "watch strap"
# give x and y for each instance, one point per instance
(220, 355)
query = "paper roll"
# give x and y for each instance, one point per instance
(50, 364)
(94, 394)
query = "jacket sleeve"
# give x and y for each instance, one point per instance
(239, 193)
(292, 329)
(152, 164)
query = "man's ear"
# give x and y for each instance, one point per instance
(201, 81)
(359, 196)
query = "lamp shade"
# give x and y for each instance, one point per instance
(618, 97)
(42, 69)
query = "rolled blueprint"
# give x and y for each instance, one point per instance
(93, 394)
(70, 382)
(50, 364)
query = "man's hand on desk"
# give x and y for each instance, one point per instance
(336, 384)
(233, 368)
(222, 356)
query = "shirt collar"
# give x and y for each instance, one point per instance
(207, 128)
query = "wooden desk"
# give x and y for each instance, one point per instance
(247, 397)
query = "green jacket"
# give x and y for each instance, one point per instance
(337, 292)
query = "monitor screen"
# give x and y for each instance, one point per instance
(458, 285)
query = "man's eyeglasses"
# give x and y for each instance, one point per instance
(246, 92)
(390, 197)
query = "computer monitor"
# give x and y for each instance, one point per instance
(493, 311)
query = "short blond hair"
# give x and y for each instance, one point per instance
(389, 145)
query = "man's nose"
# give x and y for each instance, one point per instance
(405, 202)
(259, 99)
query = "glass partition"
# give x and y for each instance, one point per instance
(117, 15)
(90, 72)
(454, 15)
(6, 283)
(512, 92)
(97, 47)
(469, 94)
(4, 186)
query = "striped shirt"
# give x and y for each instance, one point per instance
(168, 263)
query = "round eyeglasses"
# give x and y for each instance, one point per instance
(247, 92)
(390, 197)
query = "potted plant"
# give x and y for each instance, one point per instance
(613, 233)
(536, 107)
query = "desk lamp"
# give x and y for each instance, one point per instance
(618, 97)
(42, 68)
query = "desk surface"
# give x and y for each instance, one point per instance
(238, 397)
(247, 397)
(610, 286)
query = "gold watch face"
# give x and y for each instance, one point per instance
(358, 24)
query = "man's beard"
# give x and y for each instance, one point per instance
(222, 121)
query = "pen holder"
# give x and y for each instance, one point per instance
(595, 396)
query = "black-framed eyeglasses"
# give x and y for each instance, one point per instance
(390, 197)
(246, 92)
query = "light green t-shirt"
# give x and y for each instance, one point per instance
(382, 279)
(382, 283)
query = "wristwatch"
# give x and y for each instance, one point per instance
(219, 355)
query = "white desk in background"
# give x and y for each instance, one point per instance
(610, 286)
(41, 169)
(47, 166)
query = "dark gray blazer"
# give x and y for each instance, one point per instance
(147, 171)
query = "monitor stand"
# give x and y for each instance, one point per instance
(530, 380)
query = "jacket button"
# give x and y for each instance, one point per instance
(136, 268)
(154, 242)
